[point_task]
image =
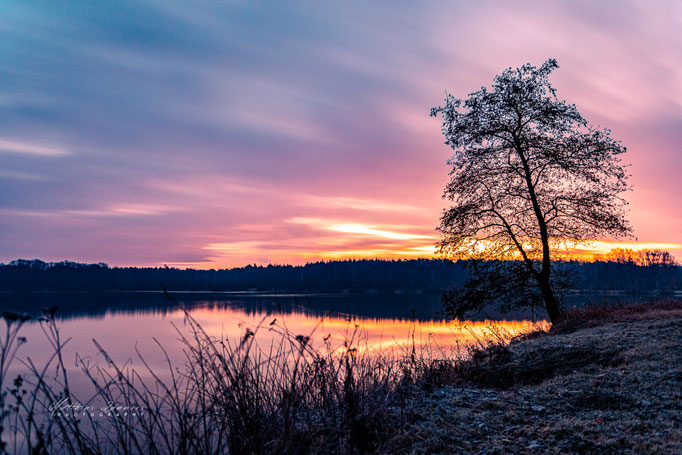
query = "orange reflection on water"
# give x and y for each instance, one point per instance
(125, 334)
(373, 334)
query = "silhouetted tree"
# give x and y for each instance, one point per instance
(529, 176)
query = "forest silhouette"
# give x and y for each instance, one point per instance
(622, 270)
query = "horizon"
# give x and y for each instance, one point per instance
(216, 136)
(587, 258)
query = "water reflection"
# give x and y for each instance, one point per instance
(125, 325)
(102, 304)
(377, 334)
(144, 334)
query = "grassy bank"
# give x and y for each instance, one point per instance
(606, 380)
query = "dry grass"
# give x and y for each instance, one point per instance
(607, 381)
(226, 396)
(613, 386)
(579, 318)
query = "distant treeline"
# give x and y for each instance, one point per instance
(353, 275)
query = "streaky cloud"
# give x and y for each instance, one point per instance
(25, 148)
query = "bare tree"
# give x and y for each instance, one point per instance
(643, 258)
(530, 176)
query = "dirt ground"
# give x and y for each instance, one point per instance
(614, 386)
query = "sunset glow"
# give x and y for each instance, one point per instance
(380, 335)
(198, 138)
(438, 226)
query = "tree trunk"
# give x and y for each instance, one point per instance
(551, 303)
(548, 296)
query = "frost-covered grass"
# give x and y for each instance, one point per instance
(225, 396)
(605, 380)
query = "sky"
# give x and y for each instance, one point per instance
(218, 134)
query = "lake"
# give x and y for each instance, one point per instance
(123, 322)
(120, 321)
(142, 331)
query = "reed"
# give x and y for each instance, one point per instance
(225, 396)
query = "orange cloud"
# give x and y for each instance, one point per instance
(355, 241)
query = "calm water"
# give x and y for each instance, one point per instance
(128, 323)
(120, 321)
(124, 322)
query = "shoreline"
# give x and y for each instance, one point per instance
(608, 383)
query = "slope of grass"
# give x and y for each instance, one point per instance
(606, 381)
